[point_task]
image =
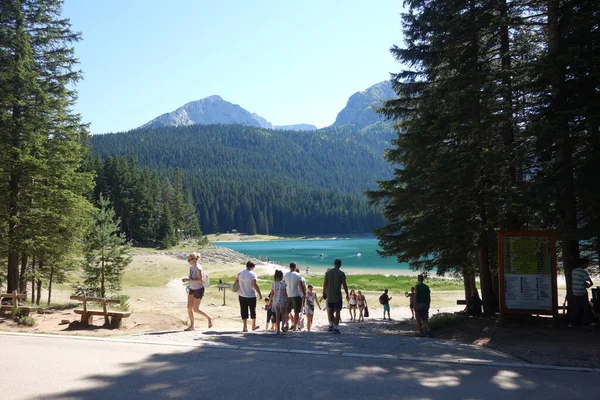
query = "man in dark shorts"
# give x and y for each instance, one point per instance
(332, 292)
(422, 303)
(295, 292)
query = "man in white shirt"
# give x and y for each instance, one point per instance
(579, 311)
(295, 292)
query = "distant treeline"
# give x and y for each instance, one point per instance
(249, 179)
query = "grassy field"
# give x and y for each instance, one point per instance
(367, 282)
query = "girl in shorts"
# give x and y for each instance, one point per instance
(278, 298)
(196, 291)
(309, 306)
(352, 305)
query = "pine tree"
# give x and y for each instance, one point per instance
(251, 226)
(41, 139)
(105, 251)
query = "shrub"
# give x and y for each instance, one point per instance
(445, 320)
(24, 320)
(124, 306)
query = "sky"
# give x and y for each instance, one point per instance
(290, 62)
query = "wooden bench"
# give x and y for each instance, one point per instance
(111, 317)
(14, 297)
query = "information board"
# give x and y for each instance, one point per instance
(527, 272)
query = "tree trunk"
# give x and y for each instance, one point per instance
(102, 276)
(22, 281)
(15, 174)
(38, 296)
(566, 204)
(50, 283)
(488, 297)
(512, 216)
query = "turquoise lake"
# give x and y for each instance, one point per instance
(355, 253)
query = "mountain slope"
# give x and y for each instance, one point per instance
(214, 110)
(359, 109)
(210, 110)
(301, 182)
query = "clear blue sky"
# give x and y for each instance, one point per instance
(288, 61)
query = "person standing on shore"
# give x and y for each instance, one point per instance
(422, 304)
(580, 282)
(247, 295)
(384, 300)
(295, 292)
(332, 285)
(196, 291)
(411, 301)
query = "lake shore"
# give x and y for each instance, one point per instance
(240, 237)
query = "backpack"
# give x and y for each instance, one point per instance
(205, 279)
(381, 300)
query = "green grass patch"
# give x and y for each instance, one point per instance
(145, 273)
(60, 307)
(369, 283)
(446, 320)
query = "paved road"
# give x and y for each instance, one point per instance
(354, 342)
(41, 367)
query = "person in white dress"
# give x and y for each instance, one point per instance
(278, 298)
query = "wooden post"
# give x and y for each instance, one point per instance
(84, 315)
(224, 296)
(15, 299)
(106, 322)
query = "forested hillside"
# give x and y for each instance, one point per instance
(265, 181)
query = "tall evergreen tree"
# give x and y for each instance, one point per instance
(41, 139)
(251, 226)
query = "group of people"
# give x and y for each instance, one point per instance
(290, 297)
(419, 303)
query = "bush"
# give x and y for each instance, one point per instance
(24, 320)
(124, 306)
(445, 320)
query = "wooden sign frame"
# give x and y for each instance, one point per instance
(501, 273)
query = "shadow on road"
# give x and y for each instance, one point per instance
(231, 374)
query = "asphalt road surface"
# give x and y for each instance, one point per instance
(39, 367)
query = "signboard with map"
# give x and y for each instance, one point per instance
(527, 272)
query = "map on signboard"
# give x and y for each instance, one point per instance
(527, 255)
(528, 272)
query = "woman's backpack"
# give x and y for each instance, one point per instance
(205, 279)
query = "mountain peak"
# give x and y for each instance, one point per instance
(214, 110)
(359, 110)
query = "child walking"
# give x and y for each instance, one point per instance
(309, 306)
(278, 298)
(270, 314)
(411, 301)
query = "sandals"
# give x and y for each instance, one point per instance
(189, 329)
(211, 323)
(256, 327)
